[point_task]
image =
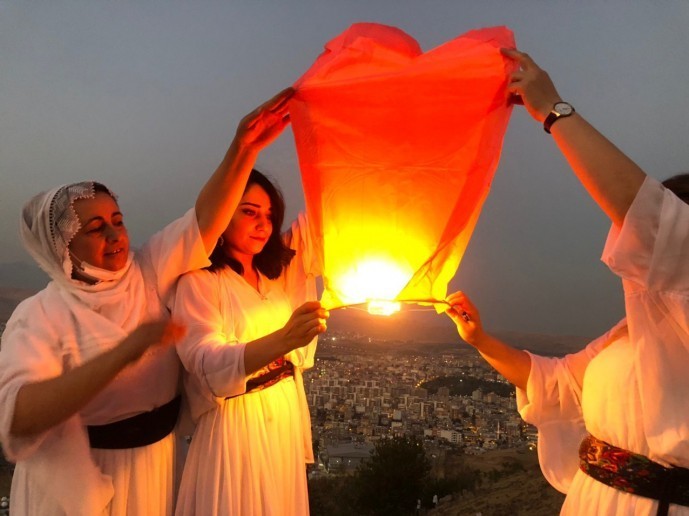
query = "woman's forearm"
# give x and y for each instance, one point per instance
(263, 351)
(42, 405)
(514, 364)
(611, 178)
(221, 194)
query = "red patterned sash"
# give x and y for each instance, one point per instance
(634, 473)
(272, 374)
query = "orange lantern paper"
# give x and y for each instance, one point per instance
(397, 149)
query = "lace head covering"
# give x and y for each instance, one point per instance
(48, 224)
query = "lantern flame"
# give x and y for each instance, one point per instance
(376, 282)
(378, 307)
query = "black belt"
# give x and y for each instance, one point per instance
(140, 430)
(634, 473)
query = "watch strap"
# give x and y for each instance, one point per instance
(554, 116)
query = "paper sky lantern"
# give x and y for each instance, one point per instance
(397, 149)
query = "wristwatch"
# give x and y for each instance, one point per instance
(560, 110)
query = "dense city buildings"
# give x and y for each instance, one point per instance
(361, 390)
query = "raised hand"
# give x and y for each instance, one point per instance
(466, 316)
(513, 364)
(532, 85)
(306, 322)
(152, 333)
(265, 123)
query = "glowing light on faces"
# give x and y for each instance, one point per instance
(251, 225)
(102, 241)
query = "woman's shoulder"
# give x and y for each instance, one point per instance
(35, 308)
(202, 280)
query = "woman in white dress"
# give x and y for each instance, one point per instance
(613, 419)
(244, 353)
(88, 386)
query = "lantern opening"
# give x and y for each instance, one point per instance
(374, 280)
(381, 307)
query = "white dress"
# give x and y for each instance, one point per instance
(57, 473)
(630, 387)
(249, 452)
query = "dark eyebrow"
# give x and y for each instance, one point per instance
(247, 203)
(99, 218)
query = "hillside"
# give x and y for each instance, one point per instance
(426, 330)
(512, 484)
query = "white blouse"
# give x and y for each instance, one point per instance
(629, 387)
(57, 329)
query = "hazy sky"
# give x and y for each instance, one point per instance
(145, 97)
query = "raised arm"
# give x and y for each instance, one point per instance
(609, 176)
(220, 196)
(513, 364)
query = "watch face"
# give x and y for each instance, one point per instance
(563, 108)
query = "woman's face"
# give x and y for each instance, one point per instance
(102, 240)
(250, 226)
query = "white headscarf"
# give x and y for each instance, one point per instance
(47, 226)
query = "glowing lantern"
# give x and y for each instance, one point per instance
(397, 149)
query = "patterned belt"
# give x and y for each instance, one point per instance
(634, 473)
(276, 371)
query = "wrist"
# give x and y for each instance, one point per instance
(127, 352)
(285, 343)
(559, 110)
(480, 340)
(241, 150)
(545, 108)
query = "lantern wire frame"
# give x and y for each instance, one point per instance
(361, 306)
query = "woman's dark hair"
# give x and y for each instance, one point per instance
(679, 185)
(101, 188)
(275, 255)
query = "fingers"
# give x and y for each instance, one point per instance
(278, 105)
(174, 331)
(515, 98)
(280, 100)
(461, 308)
(310, 318)
(162, 331)
(309, 306)
(522, 58)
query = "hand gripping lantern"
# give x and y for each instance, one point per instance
(397, 149)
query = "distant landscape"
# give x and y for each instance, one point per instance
(25, 275)
(426, 331)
